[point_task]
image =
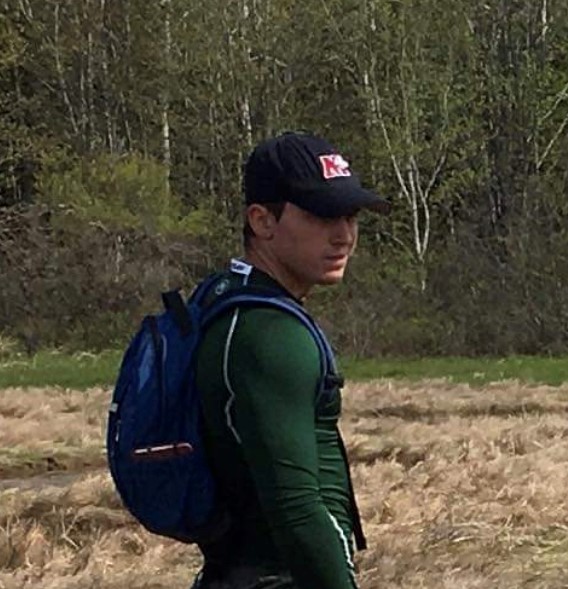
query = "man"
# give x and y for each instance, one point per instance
(276, 455)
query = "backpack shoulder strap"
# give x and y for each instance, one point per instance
(173, 302)
(251, 296)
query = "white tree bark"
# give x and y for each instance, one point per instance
(90, 93)
(167, 154)
(60, 72)
(109, 126)
(413, 188)
(26, 9)
(558, 101)
(544, 20)
(246, 120)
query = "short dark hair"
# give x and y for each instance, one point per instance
(276, 208)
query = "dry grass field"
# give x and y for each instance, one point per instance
(459, 488)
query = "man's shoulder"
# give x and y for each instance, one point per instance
(271, 321)
(275, 344)
(259, 318)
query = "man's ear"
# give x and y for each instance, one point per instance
(261, 221)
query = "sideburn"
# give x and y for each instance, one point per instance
(276, 208)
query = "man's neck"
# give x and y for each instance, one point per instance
(263, 261)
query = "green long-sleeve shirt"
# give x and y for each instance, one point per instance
(277, 459)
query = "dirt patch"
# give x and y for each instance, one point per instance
(24, 465)
(458, 487)
(50, 479)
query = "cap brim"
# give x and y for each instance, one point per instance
(339, 200)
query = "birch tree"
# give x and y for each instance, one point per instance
(412, 93)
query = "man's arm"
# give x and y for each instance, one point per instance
(273, 374)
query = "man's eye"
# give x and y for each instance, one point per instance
(351, 219)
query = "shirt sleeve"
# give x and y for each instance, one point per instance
(273, 375)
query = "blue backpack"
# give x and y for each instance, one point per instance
(155, 447)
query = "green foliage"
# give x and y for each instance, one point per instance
(129, 192)
(12, 44)
(9, 347)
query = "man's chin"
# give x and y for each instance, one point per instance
(331, 278)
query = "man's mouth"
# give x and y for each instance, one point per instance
(338, 259)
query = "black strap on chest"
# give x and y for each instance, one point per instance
(333, 381)
(360, 540)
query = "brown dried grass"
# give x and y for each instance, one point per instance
(80, 537)
(50, 430)
(459, 487)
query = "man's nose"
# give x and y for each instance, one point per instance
(345, 230)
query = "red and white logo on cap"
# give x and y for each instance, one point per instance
(334, 166)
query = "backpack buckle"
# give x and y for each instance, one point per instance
(333, 380)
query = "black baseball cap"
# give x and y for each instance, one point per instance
(309, 172)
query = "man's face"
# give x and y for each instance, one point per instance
(312, 250)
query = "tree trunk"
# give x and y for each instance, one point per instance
(167, 155)
(61, 73)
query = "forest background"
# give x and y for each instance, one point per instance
(124, 125)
